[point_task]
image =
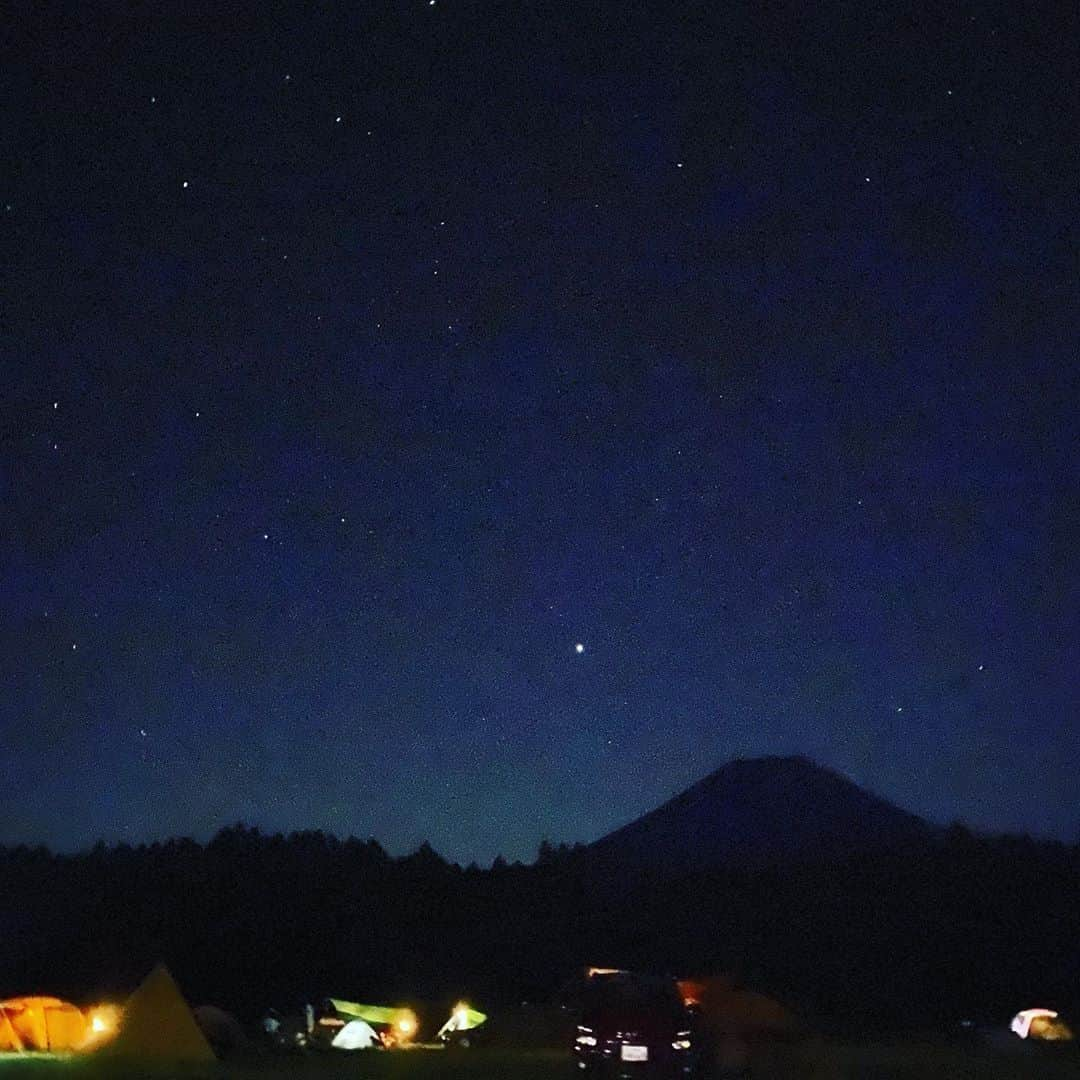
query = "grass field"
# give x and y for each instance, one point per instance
(814, 1061)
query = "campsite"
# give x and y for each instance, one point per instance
(155, 1033)
(895, 959)
(540, 540)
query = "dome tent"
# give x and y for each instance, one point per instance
(223, 1031)
(40, 1023)
(355, 1035)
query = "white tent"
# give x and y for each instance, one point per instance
(1040, 1024)
(356, 1035)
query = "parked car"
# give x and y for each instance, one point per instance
(636, 1026)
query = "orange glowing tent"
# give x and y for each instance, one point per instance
(158, 1024)
(40, 1023)
(9, 1037)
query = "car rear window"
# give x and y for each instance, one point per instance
(621, 992)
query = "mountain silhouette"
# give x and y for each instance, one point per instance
(762, 810)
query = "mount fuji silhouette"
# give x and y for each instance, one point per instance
(763, 810)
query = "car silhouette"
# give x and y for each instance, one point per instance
(636, 1026)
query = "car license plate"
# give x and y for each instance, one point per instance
(634, 1053)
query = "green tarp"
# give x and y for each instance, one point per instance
(373, 1014)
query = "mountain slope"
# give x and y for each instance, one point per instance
(771, 809)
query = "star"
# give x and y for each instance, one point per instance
(579, 648)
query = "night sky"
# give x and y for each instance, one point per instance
(477, 422)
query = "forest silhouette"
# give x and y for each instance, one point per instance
(918, 937)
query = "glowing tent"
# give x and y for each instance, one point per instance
(1042, 1024)
(355, 1035)
(40, 1023)
(158, 1024)
(9, 1037)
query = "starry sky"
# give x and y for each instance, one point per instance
(477, 422)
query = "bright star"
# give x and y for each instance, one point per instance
(579, 648)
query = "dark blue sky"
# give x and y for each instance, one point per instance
(359, 361)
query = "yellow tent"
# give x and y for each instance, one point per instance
(40, 1023)
(157, 1023)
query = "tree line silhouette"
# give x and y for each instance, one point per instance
(963, 927)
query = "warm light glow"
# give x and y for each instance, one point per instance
(102, 1024)
(406, 1025)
